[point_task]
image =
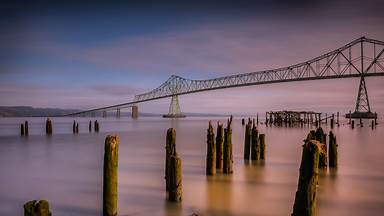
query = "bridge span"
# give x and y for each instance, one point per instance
(360, 58)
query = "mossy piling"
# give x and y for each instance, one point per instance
(110, 178)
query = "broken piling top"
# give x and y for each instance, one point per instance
(171, 141)
(37, 208)
(306, 196)
(110, 178)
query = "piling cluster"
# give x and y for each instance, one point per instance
(37, 208)
(173, 168)
(254, 143)
(24, 131)
(75, 127)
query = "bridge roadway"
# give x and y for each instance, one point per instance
(362, 57)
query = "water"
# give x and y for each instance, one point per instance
(66, 169)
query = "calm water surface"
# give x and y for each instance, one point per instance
(66, 169)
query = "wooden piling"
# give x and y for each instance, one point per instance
(48, 127)
(90, 126)
(96, 125)
(306, 196)
(332, 150)
(110, 179)
(21, 129)
(247, 141)
(175, 190)
(257, 118)
(74, 126)
(242, 121)
(211, 151)
(262, 146)
(255, 144)
(37, 208)
(26, 129)
(337, 119)
(228, 157)
(77, 128)
(353, 124)
(372, 124)
(170, 149)
(219, 146)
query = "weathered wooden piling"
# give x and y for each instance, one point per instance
(90, 126)
(372, 124)
(211, 151)
(262, 146)
(37, 208)
(96, 126)
(74, 126)
(228, 157)
(77, 128)
(257, 118)
(247, 141)
(337, 119)
(110, 195)
(26, 129)
(219, 146)
(332, 150)
(332, 120)
(176, 185)
(361, 122)
(48, 126)
(306, 196)
(22, 130)
(255, 144)
(242, 121)
(353, 124)
(170, 150)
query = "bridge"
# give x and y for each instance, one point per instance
(360, 58)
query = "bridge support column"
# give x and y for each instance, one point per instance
(135, 111)
(174, 109)
(118, 113)
(362, 109)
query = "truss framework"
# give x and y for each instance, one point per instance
(359, 58)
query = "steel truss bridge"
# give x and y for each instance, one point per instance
(360, 58)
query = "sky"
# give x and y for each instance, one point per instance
(88, 54)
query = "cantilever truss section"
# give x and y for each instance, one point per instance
(362, 56)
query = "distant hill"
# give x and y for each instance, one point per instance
(27, 111)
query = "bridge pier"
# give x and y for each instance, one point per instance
(135, 111)
(118, 113)
(174, 109)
